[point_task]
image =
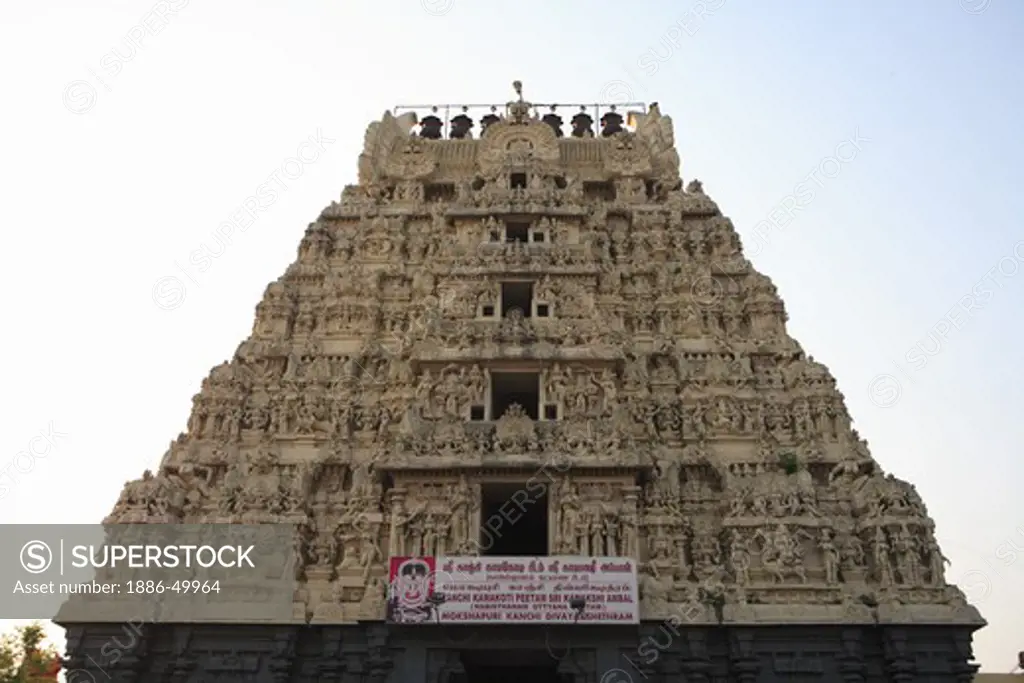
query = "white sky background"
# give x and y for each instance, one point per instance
(105, 197)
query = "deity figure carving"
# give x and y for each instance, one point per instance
(936, 562)
(782, 555)
(739, 558)
(668, 473)
(369, 551)
(654, 591)
(374, 598)
(850, 473)
(883, 565)
(907, 553)
(570, 517)
(462, 505)
(400, 521)
(830, 556)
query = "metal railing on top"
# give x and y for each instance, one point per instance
(446, 112)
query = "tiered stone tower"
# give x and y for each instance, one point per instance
(481, 310)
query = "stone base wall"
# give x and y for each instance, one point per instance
(650, 653)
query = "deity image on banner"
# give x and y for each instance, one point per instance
(410, 584)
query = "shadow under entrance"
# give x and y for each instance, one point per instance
(510, 666)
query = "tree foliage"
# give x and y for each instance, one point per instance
(25, 659)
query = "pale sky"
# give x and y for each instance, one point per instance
(128, 138)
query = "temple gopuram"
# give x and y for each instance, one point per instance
(533, 416)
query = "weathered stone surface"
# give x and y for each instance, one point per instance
(688, 429)
(660, 653)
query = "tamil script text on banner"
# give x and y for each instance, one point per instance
(516, 590)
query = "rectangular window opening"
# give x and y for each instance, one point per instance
(516, 295)
(515, 388)
(550, 411)
(538, 237)
(543, 311)
(439, 192)
(517, 232)
(599, 191)
(517, 181)
(514, 519)
(487, 311)
(476, 413)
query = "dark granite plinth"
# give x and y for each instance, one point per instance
(651, 653)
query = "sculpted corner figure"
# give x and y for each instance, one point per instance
(936, 563)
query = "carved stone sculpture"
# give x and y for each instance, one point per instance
(690, 431)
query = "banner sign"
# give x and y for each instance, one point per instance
(513, 590)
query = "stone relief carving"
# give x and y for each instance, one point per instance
(656, 129)
(510, 144)
(628, 154)
(379, 139)
(663, 354)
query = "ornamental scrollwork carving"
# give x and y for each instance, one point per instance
(507, 145)
(411, 158)
(627, 154)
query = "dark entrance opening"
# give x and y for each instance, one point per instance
(516, 295)
(514, 519)
(517, 232)
(510, 666)
(522, 388)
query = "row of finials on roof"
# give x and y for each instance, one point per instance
(432, 127)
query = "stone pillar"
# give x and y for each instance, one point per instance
(578, 667)
(397, 508)
(630, 517)
(646, 658)
(743, 658)
(75, 657)
(353, 666)
(696, 664)
(180, 663)
(961, 654)
(670, 667)
(111, 652)
(475, 516)
(442, 666)
(542, 389)
(554, 518)
(851, 659)
(898, 661)
(379, 657)
(330, 664)
(130, 666)
(488, 391)
(282, 659)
